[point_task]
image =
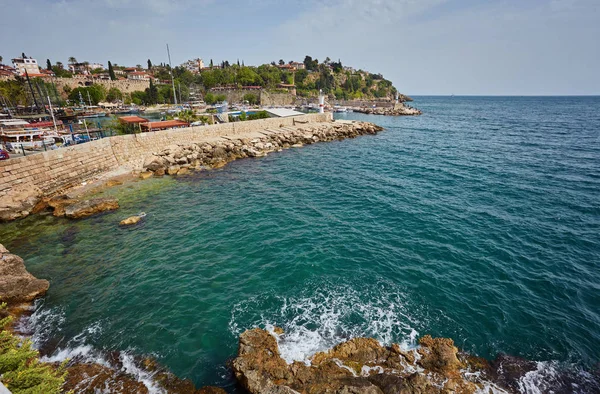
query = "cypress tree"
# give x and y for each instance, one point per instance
(149, 65)
(48, 65)
(111, 72)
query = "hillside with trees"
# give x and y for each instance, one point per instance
(331, 77)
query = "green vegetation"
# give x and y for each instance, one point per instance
(20, 368)
(17, 92)
(95, 94)
(114, 94)
(329, 76)
(111, 72)
(251, 98)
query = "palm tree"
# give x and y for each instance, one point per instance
(188, 116)
(72, 60)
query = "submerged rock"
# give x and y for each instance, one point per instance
(91, 207)
(130, 220)
(17, 285)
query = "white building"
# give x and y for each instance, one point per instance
(194, 65)
(28, 64)
(138, 76)
(96, 66)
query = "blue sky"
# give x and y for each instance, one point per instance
(423, 46)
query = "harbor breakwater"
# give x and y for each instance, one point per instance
(26, 180)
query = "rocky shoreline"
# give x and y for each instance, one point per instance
(180, 159)
(398, 110)
(364, 366)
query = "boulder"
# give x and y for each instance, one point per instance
(16, 283)
(113, 182)
(172, 170)
(159, 171)
(91, 207)
(19, 202)
(153, 162)
(146, 174)
(130, 220)
(439, 355)
(183, 171)
(59, 204)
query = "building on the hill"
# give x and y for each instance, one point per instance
(27, 64)
(138, 76)
(194, 65)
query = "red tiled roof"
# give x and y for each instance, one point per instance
(166, 124)
(132, 119)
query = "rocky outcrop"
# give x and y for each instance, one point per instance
(64, 206)
(400, 109)
(358, 366)
(179, 159)
(19, 203)
(17, 285)
(112, 377)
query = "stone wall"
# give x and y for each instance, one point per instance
(52, 172)
(276, 99)
(266, 98)
(125, 86)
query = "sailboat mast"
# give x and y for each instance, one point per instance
(172, 79)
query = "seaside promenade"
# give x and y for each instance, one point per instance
(26, 180)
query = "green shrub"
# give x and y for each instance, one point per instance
(20, 368)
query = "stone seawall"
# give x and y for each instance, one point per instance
(25, 180)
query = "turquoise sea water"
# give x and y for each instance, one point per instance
(479, 220)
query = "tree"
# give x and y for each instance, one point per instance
(188, 116)
(251, 98)
(22, 371)
(72, 60)
(111, 72)
(281, 62)
(23, 55)
(1, 59)
(149, 65)
(113, 95)
(48, 65)
(60, 65)
(211, 63)
(152, 93)
(96, 93)
(210, 99)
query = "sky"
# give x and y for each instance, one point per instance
(462, 47)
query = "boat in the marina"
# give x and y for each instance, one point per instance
(20, 134)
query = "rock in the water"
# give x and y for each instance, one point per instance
(172, 170)
(358, 366)
(19, 203)
(16, 283)
(145, 174)
(91, 207)
(59, 204)
(113, 182)
(130, 220)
